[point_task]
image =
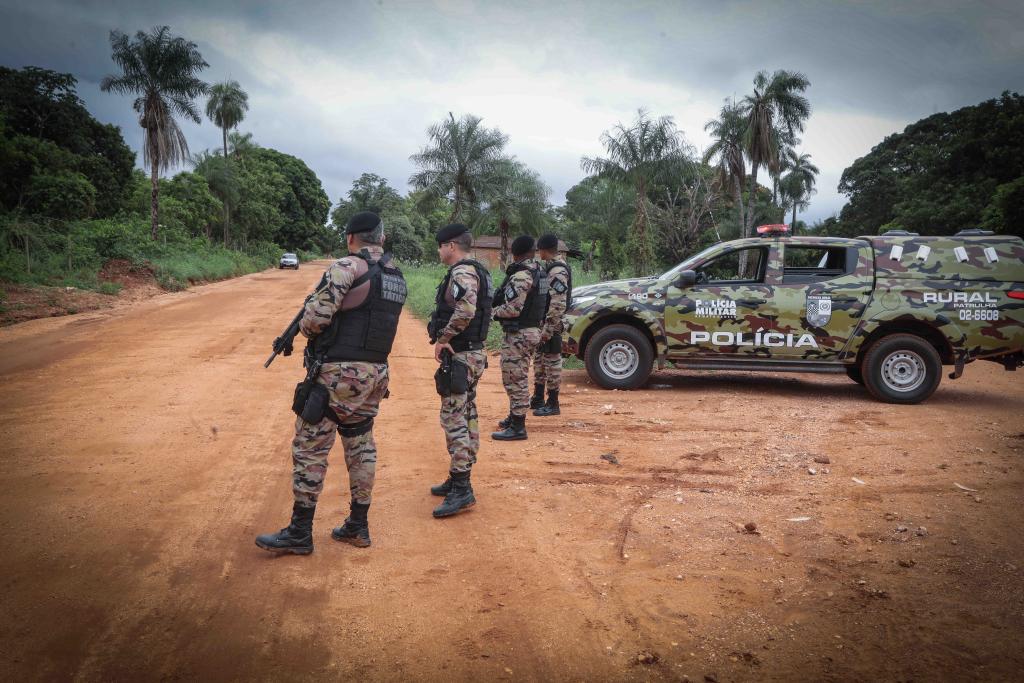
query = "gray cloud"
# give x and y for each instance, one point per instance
(352, 87)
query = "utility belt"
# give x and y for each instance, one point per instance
(553, 345)
(462, 345)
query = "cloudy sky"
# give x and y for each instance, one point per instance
(351, 87)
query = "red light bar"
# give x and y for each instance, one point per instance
(774, 228)
(1015, 295)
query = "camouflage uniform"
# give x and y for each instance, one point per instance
(547, 367)
(356, 389)
(518, 347)
(459, 418)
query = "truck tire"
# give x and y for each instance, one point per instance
(619, 357)
(901, 368)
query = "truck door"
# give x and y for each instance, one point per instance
(824, 290)
(728, 310)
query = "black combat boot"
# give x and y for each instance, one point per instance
(459, 498)
(551, 407)
(516, 430)
(442, 489)
(504, 424)
(537, 400)
(355, 530)
(296, 538)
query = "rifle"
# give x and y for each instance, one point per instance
(283, 344)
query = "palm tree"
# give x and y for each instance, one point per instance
(786, 145)
(221, 179)
(240, 145)
(461, 155)
(162, 70)
(798, 184)
(515, 193)
(226, 107)
(638, 155)
(726, 150)
(775, 109)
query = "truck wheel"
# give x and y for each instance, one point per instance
(854, 373)
(619, 357)
(902, 368)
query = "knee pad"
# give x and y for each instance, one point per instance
(356, 428)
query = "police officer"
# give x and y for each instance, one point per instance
(458, 329)
(519, 306)
(351, 323)
(547, 362)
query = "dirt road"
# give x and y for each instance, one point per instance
(143, 449)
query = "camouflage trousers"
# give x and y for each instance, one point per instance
(459, 418)
(547, 370)
(516, 350)
(356, 391)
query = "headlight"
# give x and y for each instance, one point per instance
(580, 300)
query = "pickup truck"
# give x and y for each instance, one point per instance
(888, 310)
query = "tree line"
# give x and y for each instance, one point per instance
(648, 201)
(71, 198)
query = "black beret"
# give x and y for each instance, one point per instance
(522, 245)
(548, 241)
(450, 232)
(364, 221)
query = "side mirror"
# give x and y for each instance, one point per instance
(686, 278)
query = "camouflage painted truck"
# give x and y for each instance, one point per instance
(887, 310)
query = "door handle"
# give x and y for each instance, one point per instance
(752, 302)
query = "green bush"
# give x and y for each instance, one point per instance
(110, 288)
(71, 253)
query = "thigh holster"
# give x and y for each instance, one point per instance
(356, 428)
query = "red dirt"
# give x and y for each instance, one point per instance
(21, 303)
(146, 447)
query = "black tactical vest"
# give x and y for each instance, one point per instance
(367, 332)
(568, 294)
(536, 304)
(471, 338)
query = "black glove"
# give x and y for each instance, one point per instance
(283, 346)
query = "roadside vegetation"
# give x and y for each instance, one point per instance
(72, 198)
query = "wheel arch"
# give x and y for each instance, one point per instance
(914, 326)
(622, 318)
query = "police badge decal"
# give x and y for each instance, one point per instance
(819, 309)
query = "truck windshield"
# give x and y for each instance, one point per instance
(689, 263)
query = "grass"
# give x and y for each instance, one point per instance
(109, 288)
(177, 270)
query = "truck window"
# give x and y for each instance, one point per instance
(805, 264)
(732, 267)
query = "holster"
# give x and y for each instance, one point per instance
(452, 378)
(312, 400)
(553, 345)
